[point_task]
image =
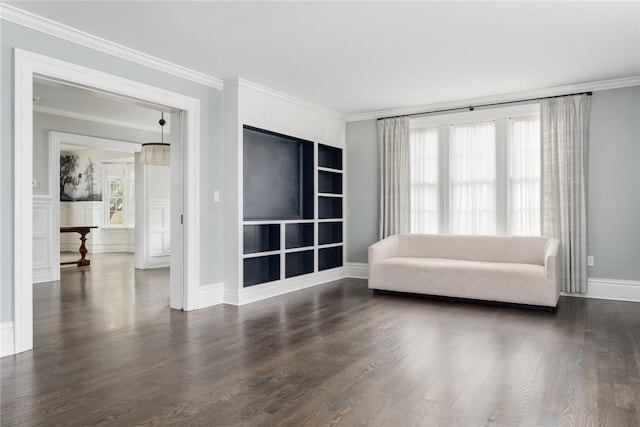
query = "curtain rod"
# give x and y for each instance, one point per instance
(472, 107)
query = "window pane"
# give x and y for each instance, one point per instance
(473, 178)
(424, 180)
(116, 201)
(524, 177)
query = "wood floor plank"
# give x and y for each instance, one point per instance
(108, 351)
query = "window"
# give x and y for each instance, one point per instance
(524, 176)
(476, 172)
(424, 180)
(473, 178)
(116, 201)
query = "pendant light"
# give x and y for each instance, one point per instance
(156, 153)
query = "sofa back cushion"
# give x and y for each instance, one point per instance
(517, 249)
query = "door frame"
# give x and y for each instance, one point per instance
(185, 179)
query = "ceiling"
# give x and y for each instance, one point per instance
(75, 102)
(358, 57)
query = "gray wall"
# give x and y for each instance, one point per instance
(363, 188)
(16, 36)
(614, 184)
(614, 207)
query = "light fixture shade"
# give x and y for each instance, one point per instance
(156, 154)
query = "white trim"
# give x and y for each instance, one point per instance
(158, 261)
(272, 289)
(6, 339)
(97, 119)
(56, 29)
(93, 141)
(611, 289)
(515, 96)
(185, 268)
(357, 270)
(239, 82)
(211, 295)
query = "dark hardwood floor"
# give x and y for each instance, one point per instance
(108, 351)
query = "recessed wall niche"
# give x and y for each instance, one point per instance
(278, 176)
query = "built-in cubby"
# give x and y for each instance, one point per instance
(299, 235)
(329, 233)
(329, 157)
(329, 258)
(261, 238)
(293, 207)
(261, 269)
(329, 182)
(329, 207)
(299, 263)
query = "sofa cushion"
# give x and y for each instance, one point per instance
(513, 249)
(493, 281)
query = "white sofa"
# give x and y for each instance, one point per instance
(512, 269)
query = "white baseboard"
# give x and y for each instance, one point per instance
(6, 339)
(357, 270)
(272, 289)
(42, 274)
(211, 295)
(611, 289)
(157, 261)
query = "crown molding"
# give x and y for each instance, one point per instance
(56, 29)
(514, 96)
(240, 82)
(97, 119)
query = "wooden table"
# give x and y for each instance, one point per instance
(83, 231)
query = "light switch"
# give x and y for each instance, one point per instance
(216, 196)
(34, 183)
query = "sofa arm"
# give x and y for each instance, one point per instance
(385, 248)
(551, 264)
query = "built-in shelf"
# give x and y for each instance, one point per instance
(299, 263)
(295, 228)
(261, 270)
(329, 182)
(320, 168)
(329, 207)
(329, 157)
(329, 233)
(329, 257)
(299, 235)
(261, 238)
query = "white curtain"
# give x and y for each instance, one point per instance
(393, 138)
(473, 178)
(564, 124)
(524, 177)
(424, 181)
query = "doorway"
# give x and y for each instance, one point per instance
(185, 179)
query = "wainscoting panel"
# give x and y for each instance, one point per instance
(42, 244)
(99, 240)
(159, 232)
